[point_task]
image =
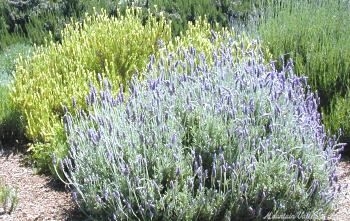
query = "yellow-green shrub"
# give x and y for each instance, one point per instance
(115, 47)
(206, 39)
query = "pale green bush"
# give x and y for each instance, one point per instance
(228, 141)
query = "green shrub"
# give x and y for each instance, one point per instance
(338, 117)
(8, 198)
(45, 26)
(229, 141)
(316, 34)
(11, 122)
(78, 8)
(8, 58)
(182, 12)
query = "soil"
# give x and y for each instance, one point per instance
(342, 213)
(42, 198)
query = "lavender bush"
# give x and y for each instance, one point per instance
(231, 141)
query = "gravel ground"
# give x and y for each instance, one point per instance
(41, 198)
(342, 213)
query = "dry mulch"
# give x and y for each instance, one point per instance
(342, 213)
(42, 198)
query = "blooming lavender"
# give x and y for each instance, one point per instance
(232, 140)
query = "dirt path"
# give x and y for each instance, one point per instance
(41, 198)
(343, 200)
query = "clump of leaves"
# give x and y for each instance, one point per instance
(337, 118)
(11, 121)
(232, 140)
(8, 58)
(8, 198)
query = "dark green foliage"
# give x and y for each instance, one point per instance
(182, 11)
(78, 8)
(28, 21)
(11, 125)
(32, 21)
(338, 117)
(223, 12)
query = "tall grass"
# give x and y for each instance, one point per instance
(316, 34)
